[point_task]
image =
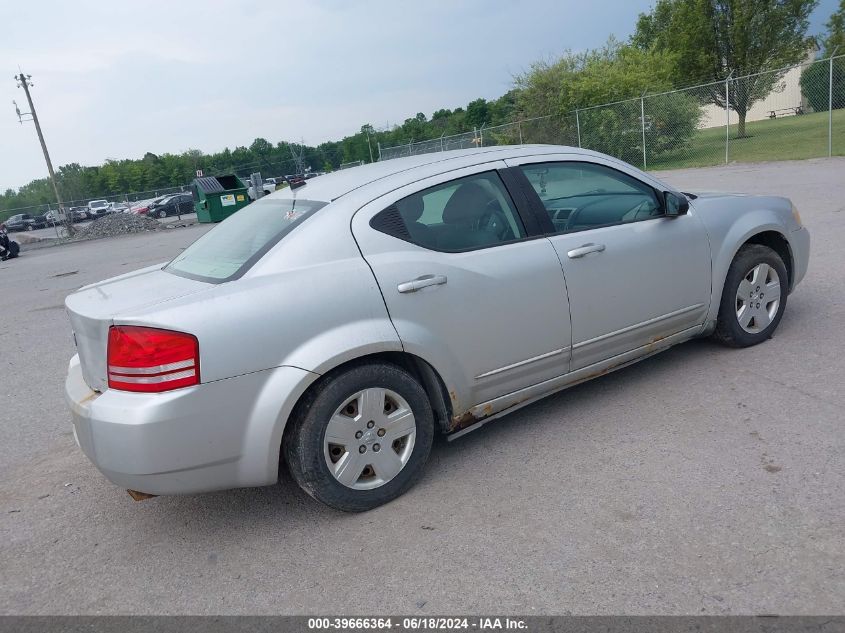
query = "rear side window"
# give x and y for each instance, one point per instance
(463, 214)
(229, 249)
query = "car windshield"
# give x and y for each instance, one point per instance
(231, 248)
(96, 204)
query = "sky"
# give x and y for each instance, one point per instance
(116, 79)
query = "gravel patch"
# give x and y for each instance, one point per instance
(118, 224)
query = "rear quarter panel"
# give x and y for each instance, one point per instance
(311, 303)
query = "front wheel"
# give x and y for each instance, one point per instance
(754, 297)
(162, 214)
(361, 437)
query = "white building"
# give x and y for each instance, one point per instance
(784, 100)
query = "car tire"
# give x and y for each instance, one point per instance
(29, 227)
(162, 214)
(317, 464)
(742, 299)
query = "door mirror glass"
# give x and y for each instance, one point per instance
(675, 204)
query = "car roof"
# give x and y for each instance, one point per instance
(330, 187)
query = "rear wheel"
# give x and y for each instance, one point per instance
(361, 437)
(162, 214)
(754, 297)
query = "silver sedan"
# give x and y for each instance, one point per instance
(337, 326)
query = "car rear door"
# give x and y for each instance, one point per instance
(470, 283)
(634, 276)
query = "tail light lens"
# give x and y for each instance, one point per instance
(151, 360)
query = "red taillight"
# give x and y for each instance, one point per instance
(151, 360)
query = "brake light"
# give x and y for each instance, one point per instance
(151, 360)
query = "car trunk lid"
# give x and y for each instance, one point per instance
(93, 309)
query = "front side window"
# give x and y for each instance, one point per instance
(234, 245)
(463, 214)
(580, 196)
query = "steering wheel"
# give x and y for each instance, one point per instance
(494, 220)
(570, 222)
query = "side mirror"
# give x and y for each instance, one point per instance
(675, 204)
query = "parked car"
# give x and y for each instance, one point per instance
(41, 221)
(178, 204)
(54, 217)
(99, 208)
(20, 222)
(295, 180)
(268, 186)
(342, 324)
(79, 214)
(119, 207)
(143, 207)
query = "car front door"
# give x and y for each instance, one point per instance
(468, 287)
(634, 275)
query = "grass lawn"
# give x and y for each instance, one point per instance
(787, 138)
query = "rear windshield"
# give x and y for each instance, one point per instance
(229, 249)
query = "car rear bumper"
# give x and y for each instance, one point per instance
(217, 435)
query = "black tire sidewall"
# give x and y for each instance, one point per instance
(747, 258)
(303, 445)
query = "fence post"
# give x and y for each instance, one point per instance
(830, 106)
(727, 115)
(519, 127)
(441, 141)
(578, 126)
(379, 150)
(642, 120)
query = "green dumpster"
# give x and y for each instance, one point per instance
(218, 197)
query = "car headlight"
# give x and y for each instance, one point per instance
(796, 215)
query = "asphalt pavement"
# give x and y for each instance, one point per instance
(703, 480)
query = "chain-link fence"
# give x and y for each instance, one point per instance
(124, 200)
(790, 113)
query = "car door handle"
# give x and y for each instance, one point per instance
(421, 282)
(586, 249)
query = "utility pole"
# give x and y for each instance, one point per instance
(25, 82)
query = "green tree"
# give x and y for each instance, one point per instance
(613, 73)
(580, 80)
(711, 39)
(835, 38)
(815, 85)
(478, 113)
